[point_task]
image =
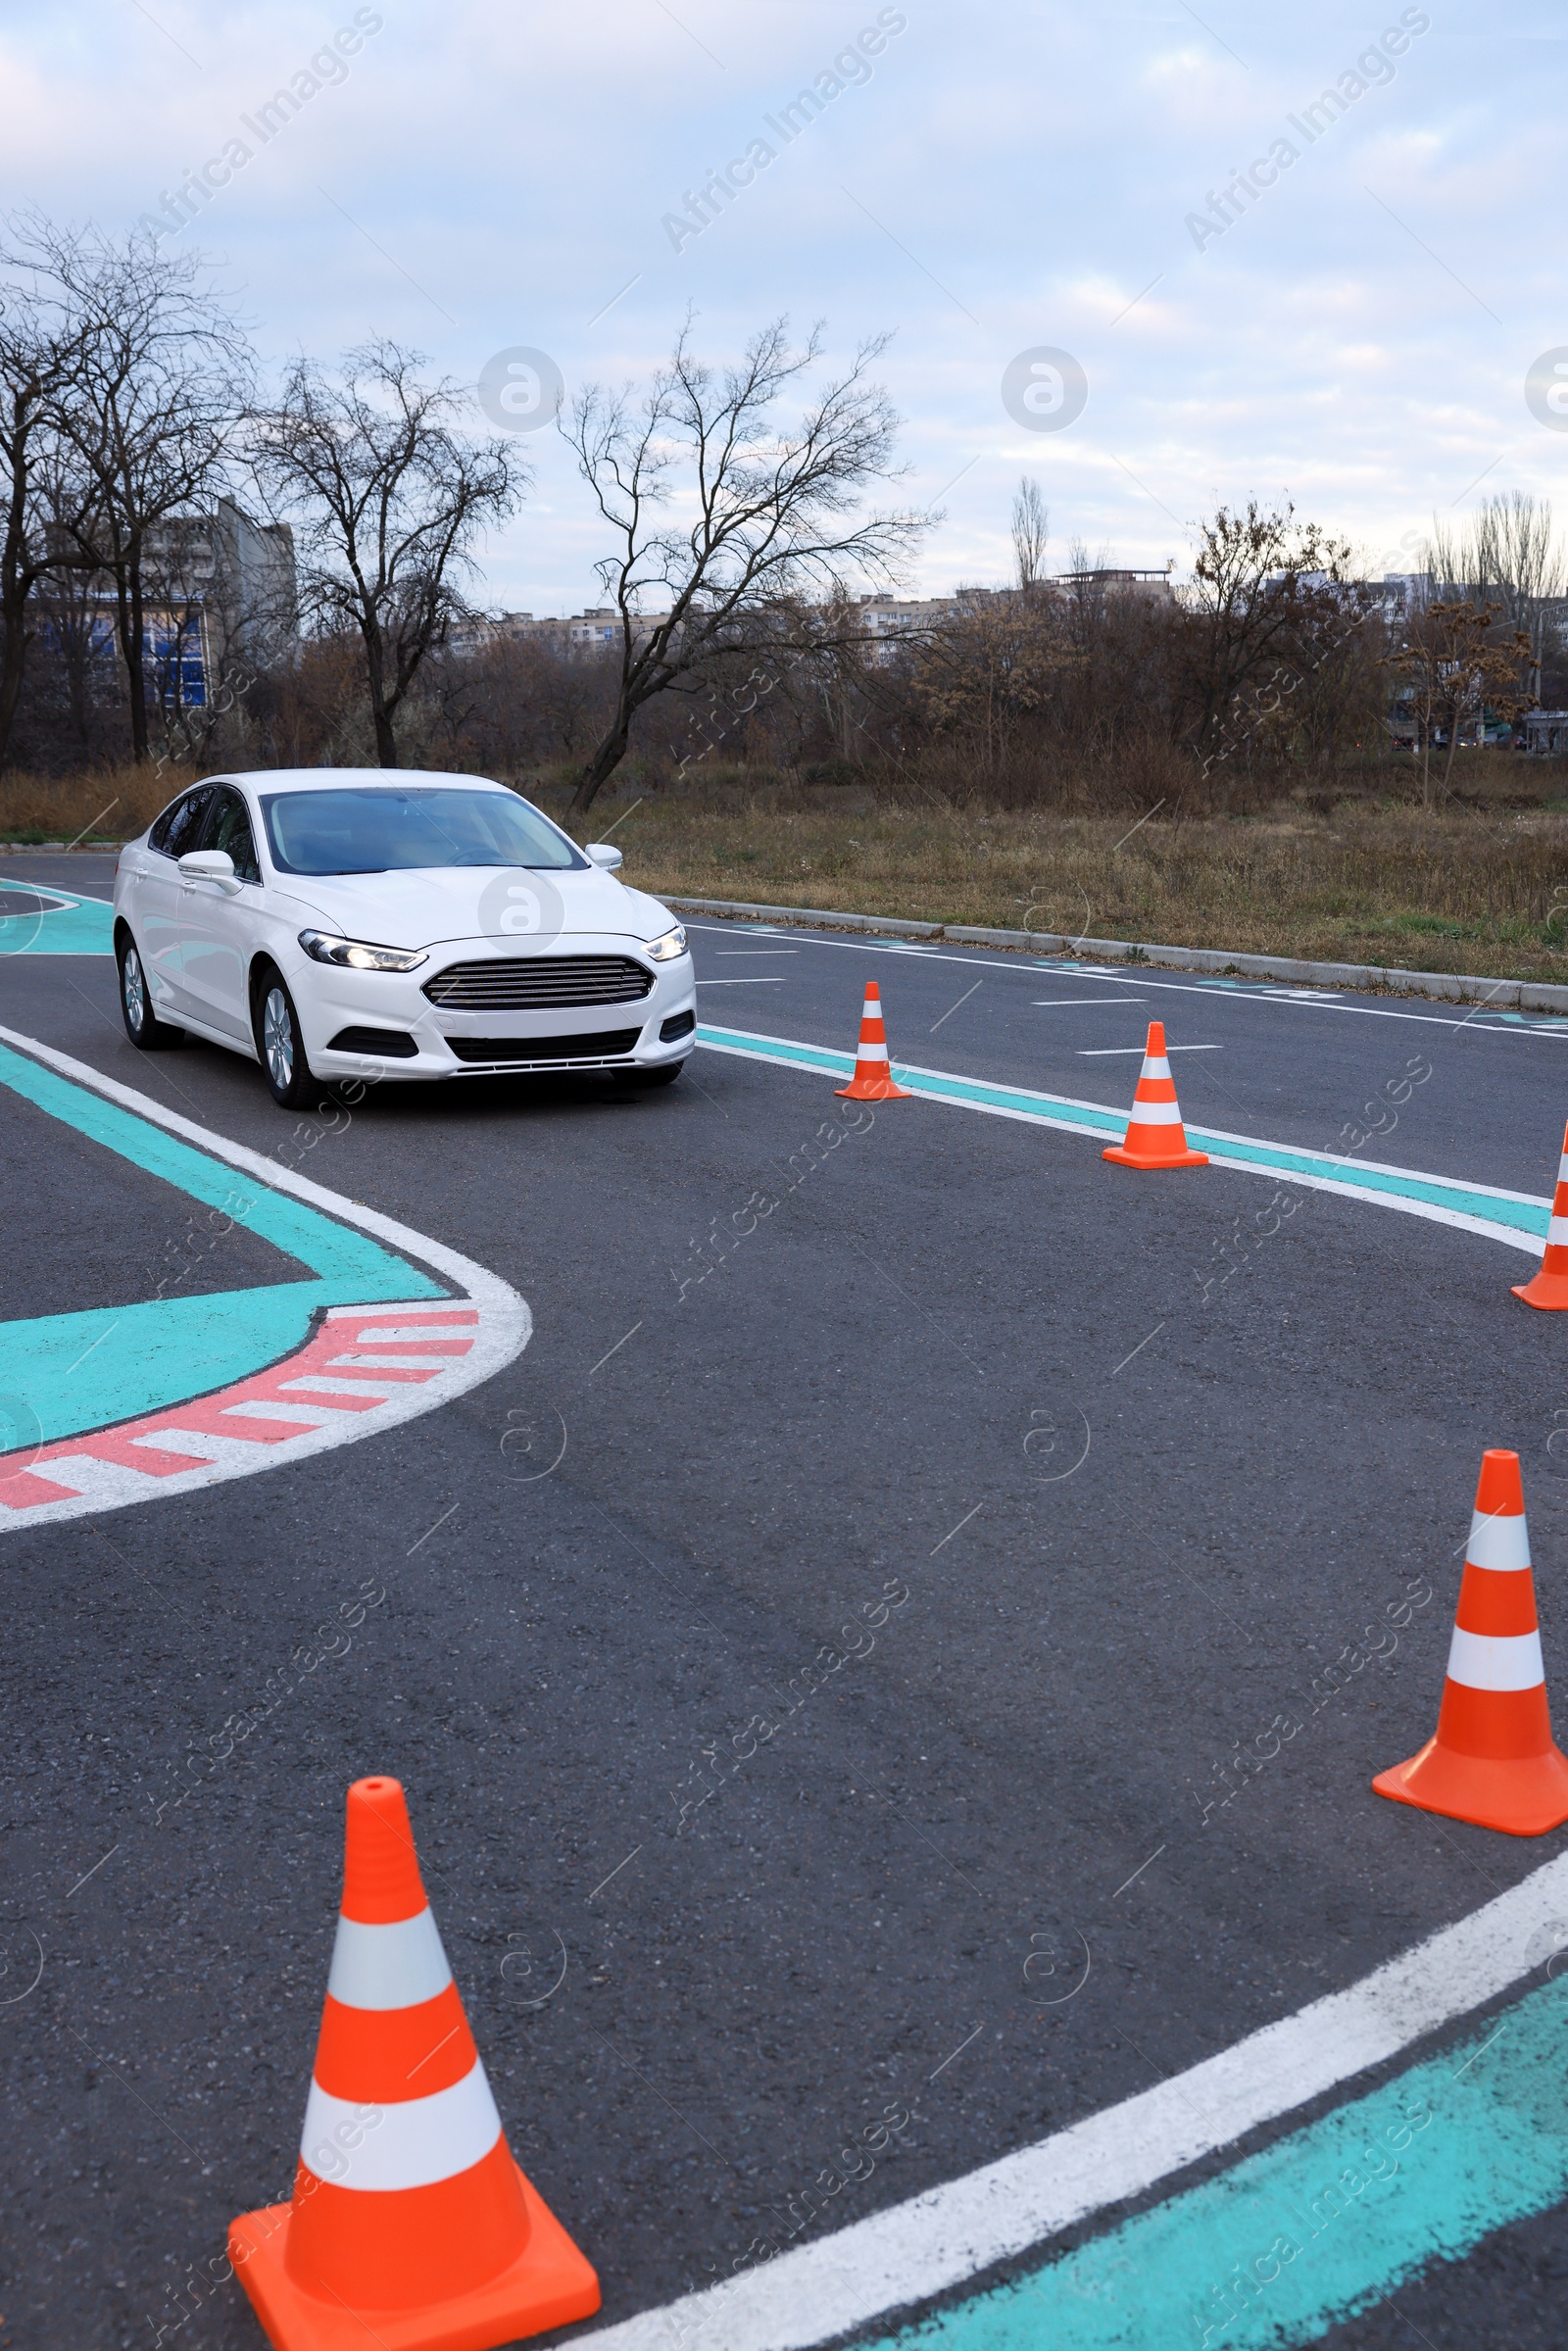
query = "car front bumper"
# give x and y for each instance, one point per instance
(364, 1023)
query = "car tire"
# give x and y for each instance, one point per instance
(281, 1046)
(146, 1031)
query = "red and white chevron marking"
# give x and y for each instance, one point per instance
(362, 1369)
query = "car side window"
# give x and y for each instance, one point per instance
(229, 827)
(180, 827)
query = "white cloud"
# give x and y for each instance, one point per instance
(1030, 173)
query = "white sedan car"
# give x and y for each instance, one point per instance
(352, 922)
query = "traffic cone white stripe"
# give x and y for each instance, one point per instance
(1501, 1544)
(1563, 1169)
(388, 1967)
(412, 2144)
(1557, 1233)
(1156, 1115)
(867, 1052)
(1156, 1065)
(1496, 1660)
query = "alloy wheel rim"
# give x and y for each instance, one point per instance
(277, 1038)
(135, 994)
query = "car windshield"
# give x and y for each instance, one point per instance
(380, 828)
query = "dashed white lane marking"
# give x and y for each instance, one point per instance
(1241, 991)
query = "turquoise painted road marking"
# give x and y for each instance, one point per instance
(76, 1372)
(84, 927)
(1317, 2227)
(1509, 1215)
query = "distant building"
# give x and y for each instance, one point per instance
(896, 616)
(219, 600)
(1547, 731)
(594, 631)
(1154, 585)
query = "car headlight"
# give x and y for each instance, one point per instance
(362, 955)
(667, 948)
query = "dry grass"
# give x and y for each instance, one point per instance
(1454, 892)
(1479, 889)
(112, 803)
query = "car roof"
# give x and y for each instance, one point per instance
(337, 779)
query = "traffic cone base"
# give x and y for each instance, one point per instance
(872, 1081)
(1126, 1159)
(547, 2286)
(1550, 1289)
(1491, 1760)
(873, 1089)
(1524, 1796)
(1156, 1135)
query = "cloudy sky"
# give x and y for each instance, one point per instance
(1352, 327)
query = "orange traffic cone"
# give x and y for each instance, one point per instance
(872, 1081)
(1550, 1285)
(410, 2226)
(1156, 1135)
(1492, 1762)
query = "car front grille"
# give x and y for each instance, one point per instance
(607, 1045)
(538, 983)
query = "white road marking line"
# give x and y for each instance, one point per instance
(769, 952)
(302, 1414)
(398, 1362)
(1242, 991)
(777, 981)
(485, 1313)
(323, 1384)
(1055, 1111)
(1057, 1004)
(935, 2241)
(1109, 1052)
(439, 1326)
(105, 1485)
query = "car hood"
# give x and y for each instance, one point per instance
(428, 906)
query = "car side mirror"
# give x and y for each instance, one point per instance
(210, 866)
(604, 855)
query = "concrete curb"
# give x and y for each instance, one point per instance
(1522, 996)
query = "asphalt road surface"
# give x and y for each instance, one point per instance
(1133, 1509)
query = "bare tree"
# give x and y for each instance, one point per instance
(992, 673)
(1510, 558)
(1454, 672)
(1031, 529)
(389, 496)
(150, 412)
(775, 516)
(42, 344)
(1244, 608)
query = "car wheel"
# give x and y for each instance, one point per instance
(142, 1024)
(282, 1046)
